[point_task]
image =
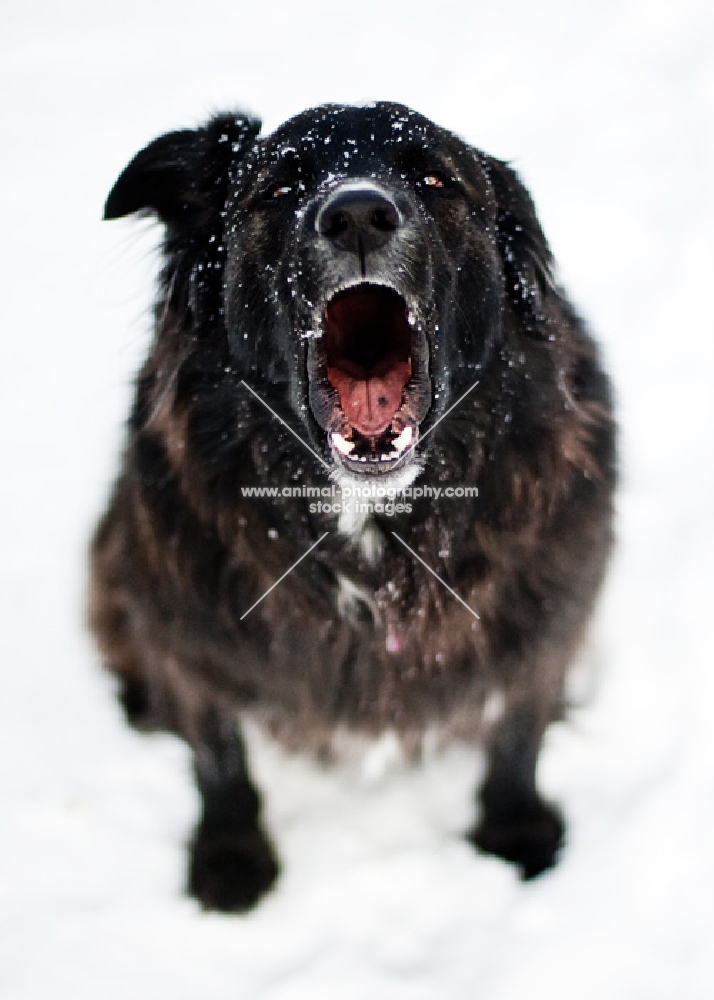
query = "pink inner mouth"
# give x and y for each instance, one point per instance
(367, 343)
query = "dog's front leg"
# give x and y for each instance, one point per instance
(231, 860)
(516, 823)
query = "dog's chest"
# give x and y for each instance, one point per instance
(358, 605)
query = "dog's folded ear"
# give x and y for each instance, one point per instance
(183, 176)
(526, 256)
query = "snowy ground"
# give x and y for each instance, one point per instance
(607, 109)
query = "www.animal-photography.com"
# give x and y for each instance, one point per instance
(358, 501)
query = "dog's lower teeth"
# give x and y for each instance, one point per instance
(347, 448)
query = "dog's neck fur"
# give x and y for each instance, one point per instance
(359, 525)
(363, 533)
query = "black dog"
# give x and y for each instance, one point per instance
(358, 300)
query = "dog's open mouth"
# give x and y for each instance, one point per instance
(369, 379)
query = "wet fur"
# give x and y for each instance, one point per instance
(180, 555)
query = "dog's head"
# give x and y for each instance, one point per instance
(358, 265)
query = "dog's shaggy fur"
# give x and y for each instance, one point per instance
(357, 271)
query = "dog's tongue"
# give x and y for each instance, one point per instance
(370, 397)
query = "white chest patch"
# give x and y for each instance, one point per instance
(363, 532)
(355, 518)
(350, 596)
(351, 521)
(493, 707)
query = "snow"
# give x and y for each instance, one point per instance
(606, 109)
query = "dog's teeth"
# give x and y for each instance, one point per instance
(401, 442)
(342, 444)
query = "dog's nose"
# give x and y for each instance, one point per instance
(358, 218)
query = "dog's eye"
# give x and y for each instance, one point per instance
(436, 181)
(277, 191)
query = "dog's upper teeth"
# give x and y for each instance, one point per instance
(398, 446)
(342, 444)
(402, 442)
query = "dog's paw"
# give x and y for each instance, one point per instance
(230, 870)
(531, 838)
(134, 698)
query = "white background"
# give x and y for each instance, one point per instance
(607, 110)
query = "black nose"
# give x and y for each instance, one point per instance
(358, 218)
